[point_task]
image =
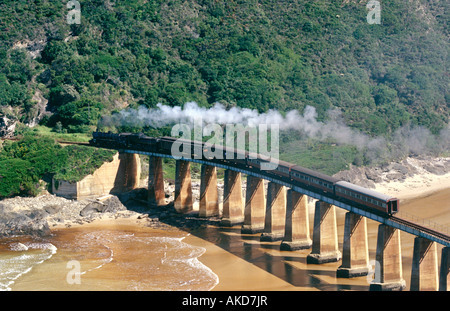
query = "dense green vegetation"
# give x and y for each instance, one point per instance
(257, 54)
(260, 54)
(26, 165)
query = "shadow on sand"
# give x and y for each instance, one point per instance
(289, 266)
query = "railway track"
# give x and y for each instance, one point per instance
(63, 142)
(400, 221)
(72, 143)
(420, 228)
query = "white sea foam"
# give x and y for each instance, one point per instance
(166, 263)
(182, 259)
(18, 247)
(197, 264)
(202, 272)
(14, 265)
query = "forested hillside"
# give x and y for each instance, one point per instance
(256, 54)
(259, 54)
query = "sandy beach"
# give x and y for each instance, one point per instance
(426, 195)
(227, 259)
(416, 186)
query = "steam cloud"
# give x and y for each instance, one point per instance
(405, 141)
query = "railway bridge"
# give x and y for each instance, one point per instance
(280, 213)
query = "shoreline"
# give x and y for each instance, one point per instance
(415, 187)
(227, 261)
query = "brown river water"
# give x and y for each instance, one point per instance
(126, 256)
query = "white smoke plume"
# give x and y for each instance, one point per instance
(405, 141)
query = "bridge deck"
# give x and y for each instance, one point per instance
(395, 222)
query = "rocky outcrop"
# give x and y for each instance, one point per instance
(35, 216)
(31, 222)
(395, 171)
(40, 109)
(7, 127)
(33, 48)
(111, 205)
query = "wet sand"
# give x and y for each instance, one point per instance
(231, 261)
(242, 262)
(119, 255)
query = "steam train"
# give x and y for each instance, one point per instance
(329, 186)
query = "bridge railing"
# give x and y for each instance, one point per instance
(445, 229)
(438, 228)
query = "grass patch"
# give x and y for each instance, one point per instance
(24, 163)
(44, 131)
(324, 157)
(81, 161)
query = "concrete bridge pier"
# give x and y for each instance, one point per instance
(444, 282)
(232, 199)
(388, 267)
(275, 219)
(297, 222)
(325, 246)
(424, 272)
(129, 172)
(255, 208)
(209, 197)
(156, 195)
(355, 255)
(183, 201)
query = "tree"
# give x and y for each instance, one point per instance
(79, 114)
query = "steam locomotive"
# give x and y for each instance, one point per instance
(344, 191)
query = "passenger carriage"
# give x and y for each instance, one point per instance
(367, 198)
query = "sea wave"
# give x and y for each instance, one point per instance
(170, 263)
(21, 259)
(138, 261)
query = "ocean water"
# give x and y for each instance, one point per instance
(104, 259)
(18, 259)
